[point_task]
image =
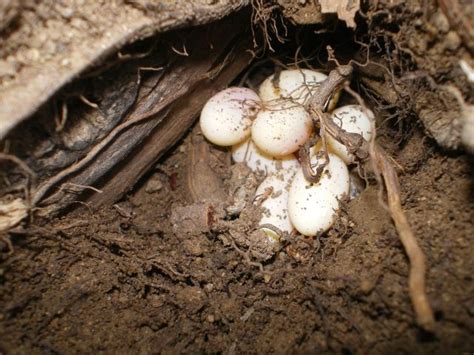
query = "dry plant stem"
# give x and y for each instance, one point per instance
(305, 158)
(381, 162)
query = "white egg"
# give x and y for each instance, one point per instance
(273, 191)
(247, 152)
(226, 118)
(281, 128)
(352, 119)
(312, 208)
(294, 84)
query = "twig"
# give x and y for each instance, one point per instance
(381, 163)
(305, 159)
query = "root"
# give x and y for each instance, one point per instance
(21, 164)
(386, 172)
(264, 18)
(44, 188)
(305, 159)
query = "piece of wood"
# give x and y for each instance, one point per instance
(202, 182)
(168, 110)
(179, 119)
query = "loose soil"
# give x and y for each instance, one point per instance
(120, 279)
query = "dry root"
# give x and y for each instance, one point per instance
(384, 172)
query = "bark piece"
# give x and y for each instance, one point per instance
(202, 183)
(182, 91)
(179, 118)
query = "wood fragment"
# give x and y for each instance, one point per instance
(202, 183)
(179, 119)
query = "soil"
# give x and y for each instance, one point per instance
(121, 280)
(134, 277)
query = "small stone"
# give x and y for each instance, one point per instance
(193, 247)
(440, 21)
(452, 41)
(267, 278)
(154, 184)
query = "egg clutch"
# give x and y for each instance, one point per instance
(265, 130)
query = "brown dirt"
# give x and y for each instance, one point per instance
(120, 280)
(125, 279)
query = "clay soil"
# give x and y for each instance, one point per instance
(124, 279)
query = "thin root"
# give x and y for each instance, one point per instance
(383, 167)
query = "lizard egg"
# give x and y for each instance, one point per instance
(247, 152)
(312, 207)
(226, 117)
(352, 119)
(294, 84)
(273, 191)
(281, 128)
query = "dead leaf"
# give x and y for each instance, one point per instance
(345, 9)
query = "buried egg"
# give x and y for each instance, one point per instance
(272, 195)
(247, 152)
(226, 117)
(293, 84)
(352, 119)
(281, 128)
(312, 207)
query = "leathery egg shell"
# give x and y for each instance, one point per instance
(247, 152)
(280, 129)
(273, 191)
(312, 207)
(352, 119)
(293, 84)
(226, 118)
